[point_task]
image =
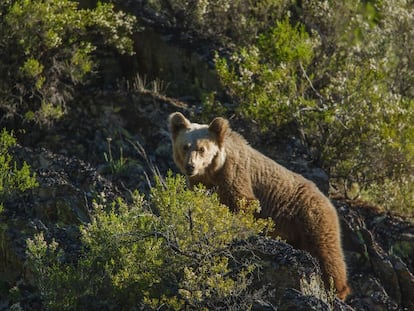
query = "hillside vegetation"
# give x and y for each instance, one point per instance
(340, 73)
(335, 77)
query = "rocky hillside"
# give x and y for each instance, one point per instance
(72, 169)
(114, 140)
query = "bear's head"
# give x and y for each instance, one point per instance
(197, 148)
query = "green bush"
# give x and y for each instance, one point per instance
(266, 79)
(172, 252)
(48, 47)
(12, 178)
(337, 76)
(225, 21)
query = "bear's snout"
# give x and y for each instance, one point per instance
(190, 169)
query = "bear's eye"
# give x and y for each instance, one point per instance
(201, 150)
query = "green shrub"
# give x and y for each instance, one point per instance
(48, 47)
(266, 79)
(12, 178)
(365, 133)
(172, 251)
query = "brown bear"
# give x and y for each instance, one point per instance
(218, 157)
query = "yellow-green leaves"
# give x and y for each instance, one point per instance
(12, 178)
(174, 250)
(48, 48)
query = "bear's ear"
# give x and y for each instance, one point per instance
(219, 127)
(177, 122)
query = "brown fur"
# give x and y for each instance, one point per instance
(216, 156)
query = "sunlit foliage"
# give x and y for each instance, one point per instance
(47, 47)
(173, 250)
(12, 178)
